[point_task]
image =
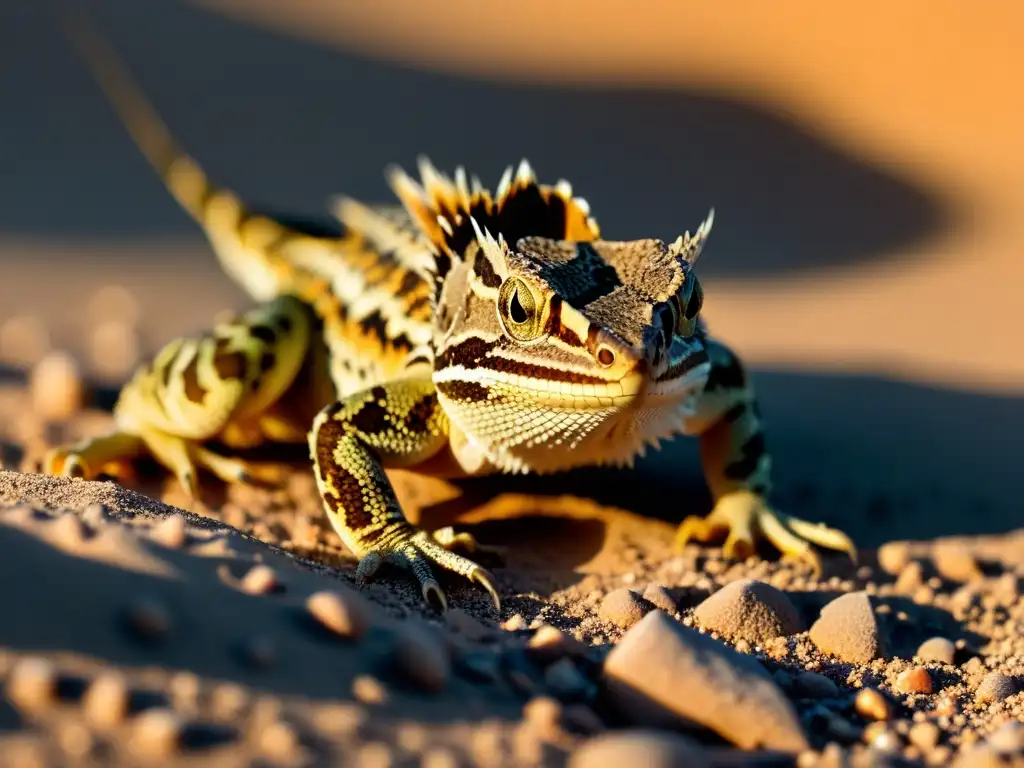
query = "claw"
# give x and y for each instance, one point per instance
(484, 579)
(742, 517)
(432, 588)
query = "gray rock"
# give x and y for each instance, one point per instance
(664, 674)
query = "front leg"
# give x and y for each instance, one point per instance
(737, 468)
(398, 424)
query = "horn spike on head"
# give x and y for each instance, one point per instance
(504, 186)
(524, 174)
(688, 247)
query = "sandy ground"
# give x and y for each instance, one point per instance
(865, 260)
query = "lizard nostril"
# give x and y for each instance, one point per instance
(605, 356)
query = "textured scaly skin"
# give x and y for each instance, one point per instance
(478, 332)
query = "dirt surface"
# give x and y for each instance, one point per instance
(231, 631)
(866, 262)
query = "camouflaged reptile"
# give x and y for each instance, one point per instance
(460, 333)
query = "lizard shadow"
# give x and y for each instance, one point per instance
(789, 199)
(879, 469)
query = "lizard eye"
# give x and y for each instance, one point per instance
(519, 310)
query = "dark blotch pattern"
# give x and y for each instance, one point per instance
(190, 377)
(419, 415)
(465, 392)
(750, 453)
(229, 365)
(264, 333)
(483, 269)
(726, 373)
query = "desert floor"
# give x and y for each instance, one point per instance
(865, 261)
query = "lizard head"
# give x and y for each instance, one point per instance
(550, 341)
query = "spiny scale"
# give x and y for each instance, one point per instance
(459, 332)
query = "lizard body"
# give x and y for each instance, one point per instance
(498, 332)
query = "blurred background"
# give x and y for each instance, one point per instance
(866, 163)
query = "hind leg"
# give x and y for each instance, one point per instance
(737, 467)
(224, 383)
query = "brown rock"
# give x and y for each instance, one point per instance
(650, 749)
(106, 700)
(32, 685)
(345, 614)
(914, 680)
(156, 733)
(664, 673)
(623, 607)
(937, 649)
(56, 386)
(550, 643)
(955, 562)
(749, 610)
(260, 580)
(872, 704)
(848, 629)
(659, 597)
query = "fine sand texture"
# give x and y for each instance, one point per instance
(867, 171)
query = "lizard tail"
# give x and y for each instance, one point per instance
(242, 240)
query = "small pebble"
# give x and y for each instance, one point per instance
(439, 757)
(849, 630)
(893, 557)
(156, 733)
(544, 714)
(749, 610)
(32, 684)
(914, 680)
(340, 719)
(995, 687)
(871, 703)
(374, 754)
(75, 739)
(514, 623)
(924, 735)
(659, 597)
(369, 690)
(422, 658)
(955, 562)
(56, 386)
(279, 740)
(624, 607)
(260, 580)
(106, 700)
(937, 649)
(346, 615)
(148, 619)
(227, 700)
(184, 688)
(1008, 739)
(646, 748)
(171, 532)
(549, 643)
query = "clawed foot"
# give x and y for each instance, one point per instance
(741, 517)
(418, 551)
(113, 454)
